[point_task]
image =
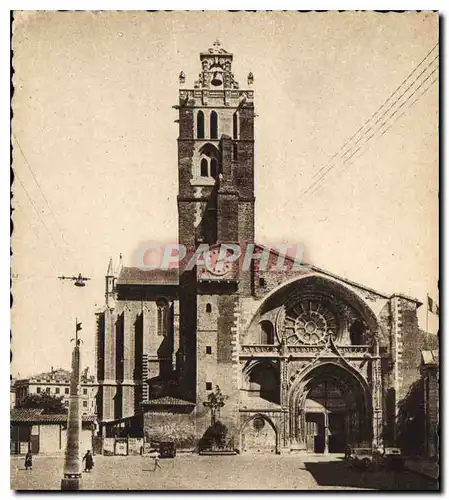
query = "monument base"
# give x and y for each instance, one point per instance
(71, 483)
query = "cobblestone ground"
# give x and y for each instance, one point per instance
(287, 472)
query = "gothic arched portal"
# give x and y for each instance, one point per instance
(330, 407)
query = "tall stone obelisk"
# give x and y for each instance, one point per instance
(72, 479)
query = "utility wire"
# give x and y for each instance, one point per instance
(377, 112)
(35, 209)
(317, 181)
(384, 123)
(39, 186)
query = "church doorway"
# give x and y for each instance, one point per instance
(332, 410)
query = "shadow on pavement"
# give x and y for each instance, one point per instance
(341, 474)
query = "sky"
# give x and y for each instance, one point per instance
(95, 151)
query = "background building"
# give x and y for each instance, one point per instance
(308, 360)
(45, 434)
(430, 372)
(57, 383)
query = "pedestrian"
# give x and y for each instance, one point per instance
(29, 461)
(156, 457)
(89, 461)
(347, 452)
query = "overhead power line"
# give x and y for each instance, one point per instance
(388, 120)
(349, 144)
(39, 186)
(35, 209)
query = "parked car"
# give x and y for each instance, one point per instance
(167, 449)
(392, 458)
(361, 457)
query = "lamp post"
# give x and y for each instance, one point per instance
(72, 479)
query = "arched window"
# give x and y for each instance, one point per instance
(200, 125)
(235, 125)
(356, 332)
(208, 308)
(263, 381)
(214, 168)
(213, 125)
(204, 168)
(266, 333)
(162, 317)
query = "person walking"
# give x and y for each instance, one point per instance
(89, 461)
(156, 457)
(29, 461)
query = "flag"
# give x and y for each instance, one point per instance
(78, 327)
(432, 306)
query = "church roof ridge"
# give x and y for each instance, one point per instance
(343, 278)
(139, 276)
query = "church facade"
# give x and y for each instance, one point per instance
(307, 360)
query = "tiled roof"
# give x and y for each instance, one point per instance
(19, 413)
(168, 401)
(58, 376)
(430, 358)
(137, 276)
(22, 415)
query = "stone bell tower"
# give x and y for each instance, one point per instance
(216, 154)
(216, 189)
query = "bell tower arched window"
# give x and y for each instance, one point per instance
(214, 168)
(200, 125)
(162, 317)
(213, 125)
(204, 168)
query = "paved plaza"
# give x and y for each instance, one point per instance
(192, 472)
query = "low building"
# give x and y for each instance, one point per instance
(57, 383)
(430, 373)
(45, 434)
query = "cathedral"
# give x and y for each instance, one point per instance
(308, 361)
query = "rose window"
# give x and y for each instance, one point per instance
(308, 322)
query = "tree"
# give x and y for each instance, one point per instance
(49, 403)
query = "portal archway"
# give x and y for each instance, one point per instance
(330, 407)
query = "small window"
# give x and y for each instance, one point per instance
(204, 169)
(162, 317)
(261, 282)
(208, 386)
(85, 404)
(208, 308)
(67, 390)
(200, 125)
(213, 125)
(84, 391)
(235, 153)
(38, 390)
(235, 125)
(208, 349)
(57, 390)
